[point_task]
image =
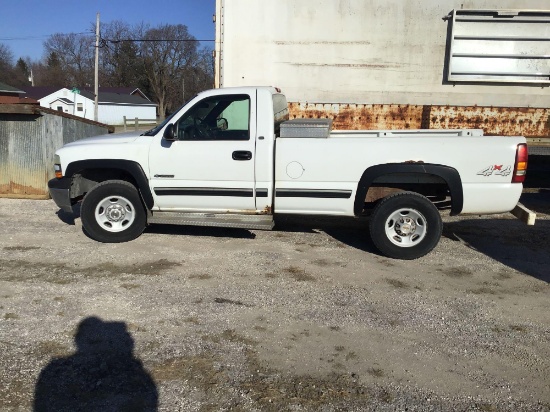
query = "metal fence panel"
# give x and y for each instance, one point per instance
(27, 146)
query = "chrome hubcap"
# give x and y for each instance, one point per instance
(406, 227)
(115, 214)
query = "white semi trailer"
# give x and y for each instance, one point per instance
(395, 64)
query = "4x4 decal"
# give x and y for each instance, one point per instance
(500, 170)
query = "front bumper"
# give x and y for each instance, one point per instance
(60, 191)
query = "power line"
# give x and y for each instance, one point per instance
(38, 37)
(155, 40)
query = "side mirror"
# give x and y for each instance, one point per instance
(222, 124)
(170, 133)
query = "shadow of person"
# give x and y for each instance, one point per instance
(102, 375)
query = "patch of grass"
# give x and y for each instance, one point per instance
(484, 290)
(271, 391)
(351, 356)
(231, 302)
(299, 274)
(376, 372)
(11, 316)
(396, 283)
(487, 407)
(518, 328)
(232, 336)
(194, 320)
(130, 286)
(198, 369)
(51, 349)
(395, 322)
(503, 275)
(328, 263)
(62, 273)
(387, 263)
(457, 272)
(271, 275)
(20, 248)
(202, 276)
(385, 396)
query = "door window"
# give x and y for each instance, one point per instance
(225, 117)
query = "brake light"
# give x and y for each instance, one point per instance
(520, 167)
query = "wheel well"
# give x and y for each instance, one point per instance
(86, 179)
(434, 187)
(441, 184)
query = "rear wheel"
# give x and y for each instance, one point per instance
(112, 212)
(405, 225)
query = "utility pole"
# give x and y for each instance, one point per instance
(96, 88)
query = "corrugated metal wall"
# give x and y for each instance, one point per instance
(27, 146)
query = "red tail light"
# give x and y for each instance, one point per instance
(520, 167)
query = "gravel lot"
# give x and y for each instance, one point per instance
(308, 317)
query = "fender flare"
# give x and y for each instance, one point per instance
(449, 174)
(132, 168)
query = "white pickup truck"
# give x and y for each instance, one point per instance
(231, 158)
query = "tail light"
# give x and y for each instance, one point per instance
(520, 167)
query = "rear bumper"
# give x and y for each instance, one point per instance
(60, 191)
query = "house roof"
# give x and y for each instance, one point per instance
(121, 90)
(38, 92)
(126, 93)
(6, 88)
(64, 100)
(117, 98)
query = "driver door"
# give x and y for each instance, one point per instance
(210, 167)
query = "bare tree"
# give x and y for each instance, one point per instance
(165, 62)
(120, 56)
(168, 52)
(6, 64)
(75, 55)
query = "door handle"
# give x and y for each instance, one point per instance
(242, 155)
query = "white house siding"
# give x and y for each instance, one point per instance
(356, 51)
(51, 102)
(66, 108)
(108, 113)
(113, 114)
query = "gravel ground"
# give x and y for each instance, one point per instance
(305, 318)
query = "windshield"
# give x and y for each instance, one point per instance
(157, 128)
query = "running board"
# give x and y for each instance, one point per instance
(261, 222)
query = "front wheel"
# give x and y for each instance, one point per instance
(405, 225)
(112, 212)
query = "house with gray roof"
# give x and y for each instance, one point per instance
(113, 106)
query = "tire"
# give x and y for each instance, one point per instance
(405, 225)
(112, 212)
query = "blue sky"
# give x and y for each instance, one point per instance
(26, 24)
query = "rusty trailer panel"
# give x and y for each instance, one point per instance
(495, 121)
(361, 116)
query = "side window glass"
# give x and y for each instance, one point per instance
(224, 117)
